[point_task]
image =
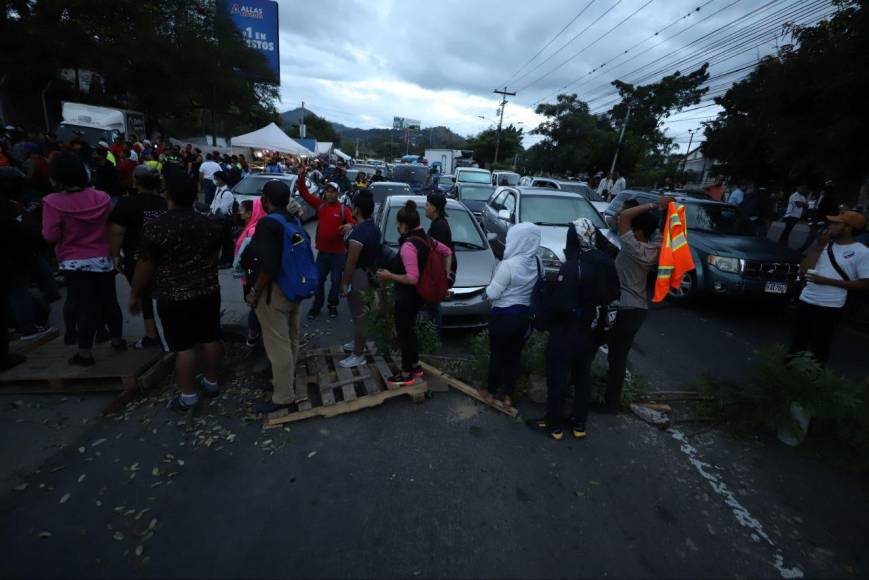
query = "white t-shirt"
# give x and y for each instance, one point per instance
(853, 259)
(619, 186)
(793, 210)
(208, 169)
(223, 200)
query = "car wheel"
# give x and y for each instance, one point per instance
(687, 288)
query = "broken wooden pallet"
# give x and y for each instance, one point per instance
(469, 390)
(47, 370)
(333, 390)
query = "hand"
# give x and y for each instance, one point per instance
(135, 306)
(344, 292)
(664, 202)
(346, 229)
(252, 299)
(384, 275)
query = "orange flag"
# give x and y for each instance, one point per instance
(675, 258)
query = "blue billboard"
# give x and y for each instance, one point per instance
(257, 20)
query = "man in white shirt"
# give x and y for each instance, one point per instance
(605, 187)
(221, 207)
(206, 178)
(832, 269)
(619, 184)
(797, 202)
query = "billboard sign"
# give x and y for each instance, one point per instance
(405, 123)
(257, 20)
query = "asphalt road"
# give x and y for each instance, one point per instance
(445, 488)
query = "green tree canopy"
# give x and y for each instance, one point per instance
(483, 145)
(801, 115)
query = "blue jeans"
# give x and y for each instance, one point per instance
(328, 265)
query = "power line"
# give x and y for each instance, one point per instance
(548, 44)
(565, 45)
(586, 47)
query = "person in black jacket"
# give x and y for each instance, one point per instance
(586, 284)
(439, 229)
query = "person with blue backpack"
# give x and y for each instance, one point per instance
(510, 293)
(281, 261)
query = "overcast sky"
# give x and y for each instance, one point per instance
(362, 62)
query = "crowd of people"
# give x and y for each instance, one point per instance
(168, 231)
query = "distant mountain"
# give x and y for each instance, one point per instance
(378, 138)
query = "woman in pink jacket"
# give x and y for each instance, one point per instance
(76, 221)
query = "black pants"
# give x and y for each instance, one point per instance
(95, 302)
(507, 333)
(227, 244)
(569, 354)
(790, 222)
(628, 323)
(407, 305)
(147, 298)
(813, 333)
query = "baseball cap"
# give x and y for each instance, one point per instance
(439, 201)
(334, 186)
(850, 218)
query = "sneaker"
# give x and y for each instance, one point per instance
(333, 312)
(578, 430)
(554, 431)
(401, 380)
(178, 405)
(82, 361)
(354, 360)
(37, 334)
(267, 407)
(148, 342)
(209, 389)
(313, 314)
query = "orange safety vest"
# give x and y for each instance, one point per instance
(675, 257)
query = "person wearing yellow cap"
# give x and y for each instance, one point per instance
(837, 265)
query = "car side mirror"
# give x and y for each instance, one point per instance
(505, 215)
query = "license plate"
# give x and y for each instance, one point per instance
(776, 288)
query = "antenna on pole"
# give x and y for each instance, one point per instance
(504, 94)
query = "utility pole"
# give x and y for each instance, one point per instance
(621, 136)
(504, 95)
(302, 131)
(688, 152)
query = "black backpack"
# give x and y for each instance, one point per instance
(541, 302)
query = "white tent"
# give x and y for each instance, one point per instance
(341, 154)
(324, 147)
(272, 138)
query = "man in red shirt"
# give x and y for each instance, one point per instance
(126, 167)
(334, 220)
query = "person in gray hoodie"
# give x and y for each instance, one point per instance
(510, 294)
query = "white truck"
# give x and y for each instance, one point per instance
(445, 159)
(99, 123)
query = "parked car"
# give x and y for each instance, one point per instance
(416, 176)
(251, 187)
(551, 209)
(579, 187)
(445, 183)
(731, 259)
(466, 306)
(474, 196)
(383, 189)
(473, 175)
(615, 206)
(505, 178)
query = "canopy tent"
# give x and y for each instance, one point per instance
(272, 138)
(324, 147)
(341, 154)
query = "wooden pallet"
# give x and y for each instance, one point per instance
(333, 390)
(46, 370)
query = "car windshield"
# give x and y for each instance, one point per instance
(583, 190)
(510, 178)
(466, 236)
(475, 193)
(718, 219)
(380, 192)
(254, 185)
(557, 211)
(474, 177)
(410, 173)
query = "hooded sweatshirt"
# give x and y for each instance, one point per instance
(518, 272)
(77, 222)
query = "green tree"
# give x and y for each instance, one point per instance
(483, 145)
(801, 114)
(575, 140)
(316, 128)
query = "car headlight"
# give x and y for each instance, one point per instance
(549, 258)
(731, 265)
